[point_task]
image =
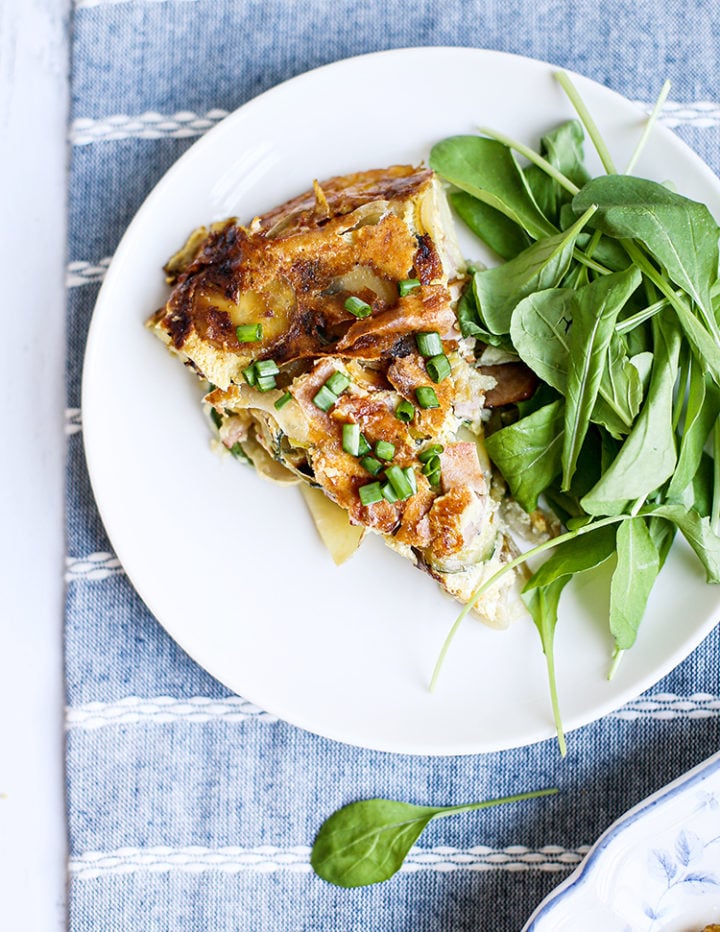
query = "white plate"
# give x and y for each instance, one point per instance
(655, 870)
(231, 565)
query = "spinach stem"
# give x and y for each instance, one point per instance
(659, 103)
(587, 121)
(533, 157)
(557, 718)
(486, 804)
(518, 561)
(636, 319)
(617, 657)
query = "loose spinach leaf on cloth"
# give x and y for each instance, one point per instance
(366, 842)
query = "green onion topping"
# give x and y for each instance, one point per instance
(372, 465)
(249, 333)
(384, 450)
(216, 417)
(338, 382)
(434, 479)
(283, 400)
(426, 397)
(325, 399)
(429, 343)
(438, 368)
(388, 494)
(250, 375)
(407, 285)
(399, 481)
(411, 478)
(351, 439)
(363, 447)
(430, 451)
(404, 412)
(266, 367)
(266, 382)
(358, 307)
(370, 493)
(432, 465)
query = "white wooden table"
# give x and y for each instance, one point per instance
(33, 155)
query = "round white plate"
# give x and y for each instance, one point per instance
(231, 565)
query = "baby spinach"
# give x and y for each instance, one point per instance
(366, 842)
(619, 321)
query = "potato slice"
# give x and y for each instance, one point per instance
(340, 537)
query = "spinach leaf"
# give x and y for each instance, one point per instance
(703, 408)
(647, 457)
(562, 148)
(697, 531)
(542, 265)
(501, 234)
(621, 388)
(543, 590)
(488, 170)
(539, 333)
(638, 564)
(593, 327)
(471, 325)
(528, 453)
(366, 842)
(679, 232)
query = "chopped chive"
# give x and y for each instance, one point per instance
(283, 400)
(372, 465)
(429, 343)
(351, 439)
(430, 451)
(426, 397)
(338, 382)
(399, 482)
(358, 307)
(434, 479)
(216, 417)
(438, 368)
(432, 465)
(370, 493)
(249, 333)
(266, 367)
(325, 398)
(411, 478)
(407, 285)
(363, 446)
(388, 494)
(250, 375)
(266, 382)
(404, 412)
(384, 450)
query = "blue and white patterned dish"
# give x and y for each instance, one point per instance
(657, 869)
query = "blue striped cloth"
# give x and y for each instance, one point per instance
(190, 809)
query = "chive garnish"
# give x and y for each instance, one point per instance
(325, 398)
(438, 368)
(407, 285)
(338, 382)
(216, 417)
(265, 383)
(372, 465)
(250, 375)
(404, 412)
(351, 439)
(388, 494)
(426, 397)
(430, 451)
(283, 400)
(399, 481)
(363, 447)
(432, 465)
(429, 343)
(249, 333)
(358, 307)
(370, 493)
(411, 478)
(384, 450)
(266, 367)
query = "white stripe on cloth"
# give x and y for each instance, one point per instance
(73, 421)
(99, 565)
(162, 709)
(185, 123)
(149, 125)
(85, 4)
(158, 710)
(268, 859)
(82, 273)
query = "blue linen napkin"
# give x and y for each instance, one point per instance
(189, 808)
